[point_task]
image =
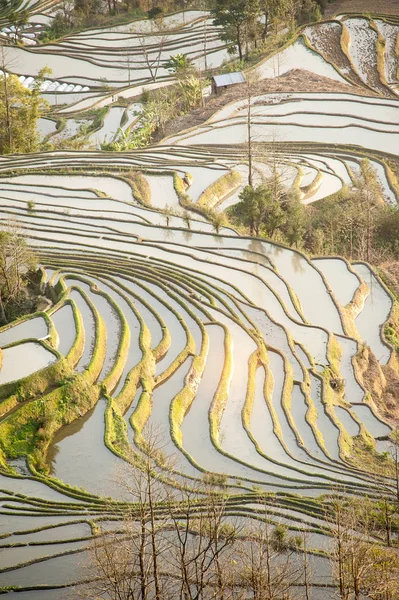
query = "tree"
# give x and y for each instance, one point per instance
(152, 55)
(155, 12)
(8, 6)
(179, 64)
(249, 89)
(153, 62)
(203, 543)
(370, 197)
(16, 259)
(18, 19)
(267, 208)
(218, 220)
(129, 564)
(174, 544)
(62, 22)
(292, 11)
(269, 568)
(191, 92)
(85, 11)
(363, 566)
(250, 210)
(20, 109)
(236, 19)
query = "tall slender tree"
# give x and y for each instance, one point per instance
(235, 19)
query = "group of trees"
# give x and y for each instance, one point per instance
(9, 8)
(77, 14)
(163, 104)
(185, 543)
(245, 23)
(269, 208)
(363, 566)
(20, 108)
(182, 544)
(356, 223)
(16, 260)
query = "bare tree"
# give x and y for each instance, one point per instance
(129, 564)
(250, 87)
(6, 100)
(364, 567)
(269, 565)
(202, 538)
(153, 55)
(307, 571)
(16, 259)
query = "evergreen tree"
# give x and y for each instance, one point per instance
(237, 20)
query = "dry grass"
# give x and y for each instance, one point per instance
(393, 269)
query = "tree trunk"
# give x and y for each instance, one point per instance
(305, 568)
(3, 318)
(388, 527)
(143, 585)
(239, 44)
(397, 465)
(368, 234)
(264, 34)
(153, 541)
(7, 104)
(249, 127)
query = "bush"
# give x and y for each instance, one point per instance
(154, 12)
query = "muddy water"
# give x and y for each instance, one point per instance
(111, 320)
(372, 424)
(162, 191)
(299, 410)
(342, 281)
(329, 431)
(55, 571)
(89, 329)
(195, 428)
(79, 457)
(353, 390)
(375, 312)
(351, 426)
(23, 360)
(32, 328)
(65, 326)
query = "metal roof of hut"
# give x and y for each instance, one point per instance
(228, 79)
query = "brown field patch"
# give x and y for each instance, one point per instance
(383, 7)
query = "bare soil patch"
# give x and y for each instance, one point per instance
(393, 269)
(328, 41)
(387, 7)
(296, 80)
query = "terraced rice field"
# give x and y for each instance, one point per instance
(124, 56)
(230, 345)
(301, 130)
(360, 49)
(258, 364)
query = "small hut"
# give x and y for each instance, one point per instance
(222, 82)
